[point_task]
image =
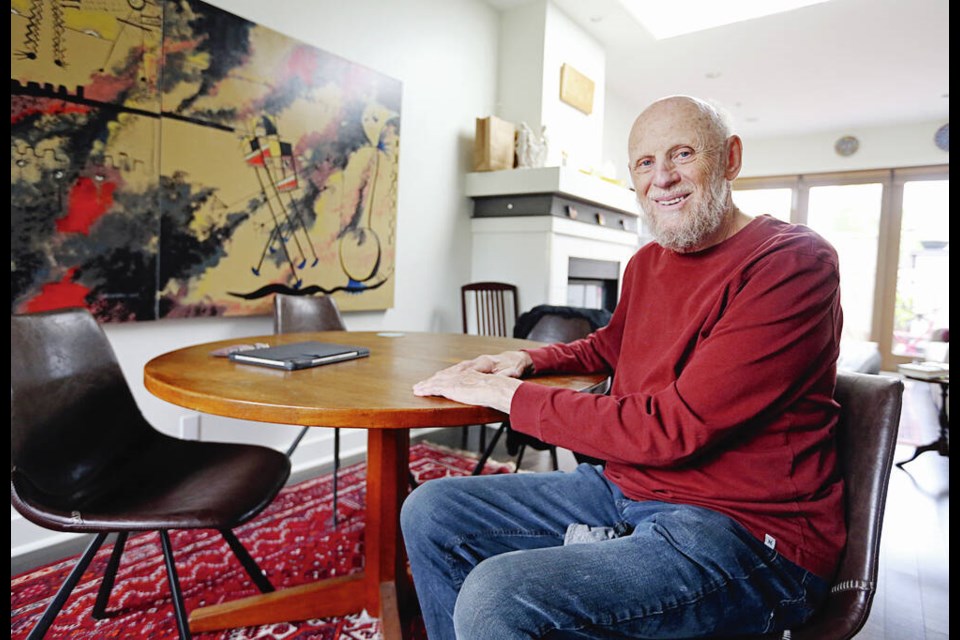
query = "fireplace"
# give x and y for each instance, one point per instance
(562, 237)
(593, 284)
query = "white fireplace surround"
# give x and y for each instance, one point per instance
(534, 251)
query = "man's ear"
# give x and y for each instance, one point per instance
(733, 157)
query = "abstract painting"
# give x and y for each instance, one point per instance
(170, 159)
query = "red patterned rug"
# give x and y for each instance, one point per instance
(293, 540)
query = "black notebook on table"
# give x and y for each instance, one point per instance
(300, 355)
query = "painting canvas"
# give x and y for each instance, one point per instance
(170, 159)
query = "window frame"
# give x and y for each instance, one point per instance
(888, 241)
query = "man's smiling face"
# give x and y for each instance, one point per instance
(678, 167)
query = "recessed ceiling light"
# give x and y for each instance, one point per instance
(668, 19)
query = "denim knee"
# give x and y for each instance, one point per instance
(425, 505)
(488, 606)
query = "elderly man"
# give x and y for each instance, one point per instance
(719, 508)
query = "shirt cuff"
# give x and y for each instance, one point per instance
(540, 359)
(526, 407)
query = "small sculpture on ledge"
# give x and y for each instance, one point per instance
(531, 149)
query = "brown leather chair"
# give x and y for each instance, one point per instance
(83, 459)
(867, 438)
(550, 328)
(294, 314)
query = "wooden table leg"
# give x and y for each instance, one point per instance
(388, 456)
(380, 587)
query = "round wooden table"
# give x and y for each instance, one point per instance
(374, 393)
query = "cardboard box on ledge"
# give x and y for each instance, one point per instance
(494, 147)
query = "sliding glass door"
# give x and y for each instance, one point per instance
(923, 268)
(891, 232)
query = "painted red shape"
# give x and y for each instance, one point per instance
(87, 202)
(58, 295)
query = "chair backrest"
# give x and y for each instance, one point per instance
(553, 328)
(292, 314)
(489, 308)
(73, 418)
(592, 319)
(867, 436)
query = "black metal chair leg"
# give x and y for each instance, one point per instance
(296, 441)
(489, 450)
(336, 471)
(179, 608)
(553, 458)
(520, 451)
(65, 589)
(109, 576)
(249, 564)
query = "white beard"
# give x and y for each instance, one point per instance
(694, 227)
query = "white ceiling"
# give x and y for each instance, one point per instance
(839, 65)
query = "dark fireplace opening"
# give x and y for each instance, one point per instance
(592, 284)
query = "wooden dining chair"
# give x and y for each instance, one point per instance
(488, 309)
(83, 459)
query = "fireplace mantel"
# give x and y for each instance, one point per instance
(528, 224)
(559, 180)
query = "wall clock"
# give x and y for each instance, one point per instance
(846, 146)
(942, 137)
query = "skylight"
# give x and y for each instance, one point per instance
(665, 19)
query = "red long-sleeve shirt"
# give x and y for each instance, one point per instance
(724, 365)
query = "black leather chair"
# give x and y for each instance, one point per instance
(867, 437)
(294, 314)
(83, 458)
(551, 325)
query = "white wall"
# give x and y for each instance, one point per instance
(536, 39)
(522, 36)
(445, 54)
(902, 145)
(568, 129)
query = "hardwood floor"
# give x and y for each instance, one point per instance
(913, 585)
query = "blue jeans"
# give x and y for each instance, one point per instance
(488, 562)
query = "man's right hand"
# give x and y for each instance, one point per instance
(513, 364)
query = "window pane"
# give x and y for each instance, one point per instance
(753, 202)
(923, 280)
(848, 216)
